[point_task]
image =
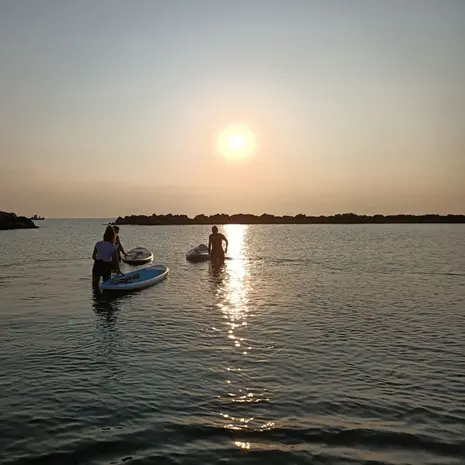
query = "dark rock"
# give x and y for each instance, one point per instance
(11, 221)
(240, 218)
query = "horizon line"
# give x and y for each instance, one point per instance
(248, 214)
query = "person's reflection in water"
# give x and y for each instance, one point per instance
(107, 336)
(217, 275)
(105, 308)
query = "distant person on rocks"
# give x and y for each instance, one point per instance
(215, 247)
(105, 257)
(118, 244)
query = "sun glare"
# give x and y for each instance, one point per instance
(236, 142)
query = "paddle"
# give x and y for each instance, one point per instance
(126, 279)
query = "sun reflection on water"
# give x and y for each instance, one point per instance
(242, 445)
(234, 302)
(233, 286)
(232, 293)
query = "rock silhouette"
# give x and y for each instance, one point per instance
(240, 218)
(11, 221)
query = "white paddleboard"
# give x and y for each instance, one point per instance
(138, 256)
(138, 279)
(198, 254)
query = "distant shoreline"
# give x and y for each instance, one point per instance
(345, 218)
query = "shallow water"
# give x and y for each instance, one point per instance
(314, 344)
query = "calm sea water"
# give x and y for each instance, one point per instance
(314, 344)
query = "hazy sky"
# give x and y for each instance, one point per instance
(110, 107)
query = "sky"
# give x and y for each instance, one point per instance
(112, 107)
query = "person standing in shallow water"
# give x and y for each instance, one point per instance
(119, 246)
(105, 257)
(215, 247)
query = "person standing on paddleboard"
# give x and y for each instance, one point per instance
(105, 257)
(215, 247)
(118, 244)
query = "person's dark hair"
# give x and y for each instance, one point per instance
(109, 235)
(214, 229)
(116, 228)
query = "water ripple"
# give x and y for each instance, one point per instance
(346, 347)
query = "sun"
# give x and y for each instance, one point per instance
(236, 142)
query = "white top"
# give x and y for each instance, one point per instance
(105, 251)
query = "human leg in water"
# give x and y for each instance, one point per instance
(102, 270)
(217, 256)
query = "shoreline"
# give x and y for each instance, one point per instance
(345, 218)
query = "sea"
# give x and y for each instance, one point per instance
(313, 344)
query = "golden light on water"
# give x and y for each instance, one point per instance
(242, 445)
(235, 302)
(234, 291)
(236, 142)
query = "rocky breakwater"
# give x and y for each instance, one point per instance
(240, 218)
(12, 221)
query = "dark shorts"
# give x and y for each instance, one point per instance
(102, 269)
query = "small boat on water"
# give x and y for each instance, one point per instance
(37, 217)
(198, 254)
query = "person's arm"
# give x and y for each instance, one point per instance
(115, 261)
(209, 244)
(94, 253)
(121, 246)
(227, 243)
